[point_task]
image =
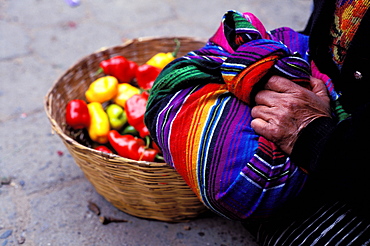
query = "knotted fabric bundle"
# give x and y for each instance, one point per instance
(199, 113)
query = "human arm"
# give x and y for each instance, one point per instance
(284, 108)
(335, 154)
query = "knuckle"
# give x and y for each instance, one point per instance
(274, 79)
(271, 82)
(260, 96)
(254, 112)
(253, 124)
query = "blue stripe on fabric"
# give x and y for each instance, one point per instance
(164, 117)
(213, 119)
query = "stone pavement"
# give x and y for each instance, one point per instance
(44, 201)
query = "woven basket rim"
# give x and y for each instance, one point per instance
(55, 126)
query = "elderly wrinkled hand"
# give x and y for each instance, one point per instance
(284, 108)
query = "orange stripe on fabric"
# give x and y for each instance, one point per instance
(198, 122)
(241, 86)
(187, 130)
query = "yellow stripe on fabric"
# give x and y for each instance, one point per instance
(228, 78)
(199, 119)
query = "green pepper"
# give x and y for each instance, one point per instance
(117, 116)
(130, 130)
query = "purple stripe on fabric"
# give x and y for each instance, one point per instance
(234, 145)
(224, 138)
(266, 175)
(293, 67)
(165, 119)
(234, 121)
(254, 51)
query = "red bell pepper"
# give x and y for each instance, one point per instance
(131, 147)
(103, 148)
(77, 114)
(146, 75)
(135, 109)
(120, 67)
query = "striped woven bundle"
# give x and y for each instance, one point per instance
(199, 113)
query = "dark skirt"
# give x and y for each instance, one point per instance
(334, 223)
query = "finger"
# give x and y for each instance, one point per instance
(269, 98)
(318, 87)
(280, 84)
(265, 97)
(259, 126)
(263, 128)
(261, 112)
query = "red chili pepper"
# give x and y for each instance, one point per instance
(103, 148)
(77, 114)
(146, 75)
(135, 109)
(156, 147)
(120, 67)
(131, 147)
(145, 94)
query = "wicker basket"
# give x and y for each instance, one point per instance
(143, 189)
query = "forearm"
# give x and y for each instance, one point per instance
(311, 141)
(336, 156)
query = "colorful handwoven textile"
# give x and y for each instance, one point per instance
(199, 113)
(347, 18)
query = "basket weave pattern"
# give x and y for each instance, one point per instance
(143, 189)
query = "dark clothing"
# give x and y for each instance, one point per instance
(336, 197)
(330, 224)
(335, 154)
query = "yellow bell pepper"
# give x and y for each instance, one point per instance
(160, 60)
(102, 89)
(99, 125)
(125, 91)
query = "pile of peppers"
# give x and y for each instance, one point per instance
(111, 119)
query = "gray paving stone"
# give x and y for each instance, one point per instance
(63, 45)
(46, 200)
(135, 14)
(37, 158)
(26, 80)
(15, 39)
(36, 14)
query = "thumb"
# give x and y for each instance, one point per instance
(319, 88)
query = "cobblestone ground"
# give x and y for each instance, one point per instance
(44, 195)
